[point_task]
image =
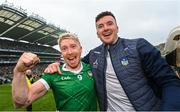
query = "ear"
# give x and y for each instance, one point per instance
(97, 34)
(117, 29)
(81, 49)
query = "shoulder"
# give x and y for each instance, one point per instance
(98, 48)
(136, 40)
(86, 66)
(131, 43)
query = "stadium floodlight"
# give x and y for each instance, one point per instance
(11, 6)
(9, 15)
(36, 16)
(32, 23)
(32, 28)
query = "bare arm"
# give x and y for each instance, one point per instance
(22, 94)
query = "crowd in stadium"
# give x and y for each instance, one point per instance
(15, 45)
(20, 33)
(10, 52)
(6, 72)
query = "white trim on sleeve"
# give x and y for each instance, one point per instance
(44, 83)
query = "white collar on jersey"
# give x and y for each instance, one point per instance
(73, 71)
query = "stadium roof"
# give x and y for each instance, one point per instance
(17, 25)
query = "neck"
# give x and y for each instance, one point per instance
(115, 40)
(73, 68)
(108, 45)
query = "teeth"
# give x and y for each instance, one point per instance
(71, 58)
(107, 33)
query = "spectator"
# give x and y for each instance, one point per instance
(172, 50)
(29, 81)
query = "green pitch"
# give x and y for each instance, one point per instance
(6, 104)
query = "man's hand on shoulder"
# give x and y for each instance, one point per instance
(52, 68)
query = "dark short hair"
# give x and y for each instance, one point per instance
(105, 13)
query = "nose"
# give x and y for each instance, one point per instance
(106, 27)
(69, 51)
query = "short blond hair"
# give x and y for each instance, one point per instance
(68, 36)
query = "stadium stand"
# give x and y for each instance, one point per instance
(22, 33)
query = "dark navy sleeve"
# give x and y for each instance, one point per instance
(157, 69)
(85, 59)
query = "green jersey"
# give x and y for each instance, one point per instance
(73, 91)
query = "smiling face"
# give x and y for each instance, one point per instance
(107, 29)
(71, 51)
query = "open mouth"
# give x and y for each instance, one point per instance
(106, 34)
(72, 59)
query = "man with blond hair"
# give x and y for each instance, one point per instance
(73, 90)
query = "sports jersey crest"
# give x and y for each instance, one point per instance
(79, 77)
(90, 73)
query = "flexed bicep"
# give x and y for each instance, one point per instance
(36, 91)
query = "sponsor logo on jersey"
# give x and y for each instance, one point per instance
(65, 78)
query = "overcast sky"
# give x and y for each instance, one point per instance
(149, 19)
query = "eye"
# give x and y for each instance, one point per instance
(99, 26)
(73, 46)
(110, 23)
(63, 49)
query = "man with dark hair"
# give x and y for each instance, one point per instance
(102, 14)
(130, 74)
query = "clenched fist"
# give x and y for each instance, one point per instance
(26, 61)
